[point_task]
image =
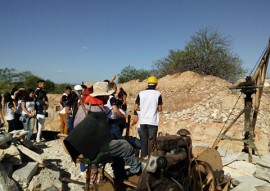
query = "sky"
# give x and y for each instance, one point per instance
(70, 41)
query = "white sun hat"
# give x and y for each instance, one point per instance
(101, 89)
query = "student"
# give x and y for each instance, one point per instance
(28, 112)
(41, 108)
(62, 113)
(122, 97)
(71, 107)
(115, 114)
(9, 110)
(18, 95)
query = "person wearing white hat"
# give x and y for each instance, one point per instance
(95, 134)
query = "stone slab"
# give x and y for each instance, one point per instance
(251, 181)
(26, 172)
(240, 168)
(263, 168)
(231, 158)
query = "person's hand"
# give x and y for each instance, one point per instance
(113, 78)
(32, 114)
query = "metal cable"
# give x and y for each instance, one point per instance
(257, 63)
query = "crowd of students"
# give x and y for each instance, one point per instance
(75, 104)
(24, 109)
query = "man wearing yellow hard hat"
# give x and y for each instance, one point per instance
(149, 103)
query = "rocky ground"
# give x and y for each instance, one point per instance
(204, 105)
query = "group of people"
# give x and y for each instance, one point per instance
(75, 104)
(23, 109)
(96, 136)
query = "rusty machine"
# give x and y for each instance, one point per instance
(175, 166)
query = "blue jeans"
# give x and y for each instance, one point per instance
(140, 134)
(122, 149)
(116, 131)
(148, 132)
(28, 125)
(70, 122)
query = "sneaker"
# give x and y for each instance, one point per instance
(43, 140)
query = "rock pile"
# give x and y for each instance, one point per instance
(28, 166)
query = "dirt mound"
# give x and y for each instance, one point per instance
(179, 91)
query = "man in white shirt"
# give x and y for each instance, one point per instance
(149, 103)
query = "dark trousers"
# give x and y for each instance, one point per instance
(18, 123)
(148, 132)
(11, 125)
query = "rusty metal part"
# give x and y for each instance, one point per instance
(169, 160)
(208, 155)
(183, 132)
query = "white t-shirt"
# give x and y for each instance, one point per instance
(30, 106)
(109, 111)
(9, 113)
(148, 107)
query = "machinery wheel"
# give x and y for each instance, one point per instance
(202, 177)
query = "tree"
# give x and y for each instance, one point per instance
(50, 86)
(6, 74)
(130, 73)
(170, 65)
(31, 82)
(208, 53)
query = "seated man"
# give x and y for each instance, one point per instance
(92, 135)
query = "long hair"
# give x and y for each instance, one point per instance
(27, 93)
(7, 98)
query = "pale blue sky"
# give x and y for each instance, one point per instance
(90, 40)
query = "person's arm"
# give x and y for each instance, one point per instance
(2, 114)
(124, 98)
(68, 109)
(134, 120)
(113, 78)
(137, 104)
(159, 108)
(14, 108)
(136, 107)
(117, 112)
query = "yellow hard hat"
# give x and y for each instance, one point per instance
(152, 80)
